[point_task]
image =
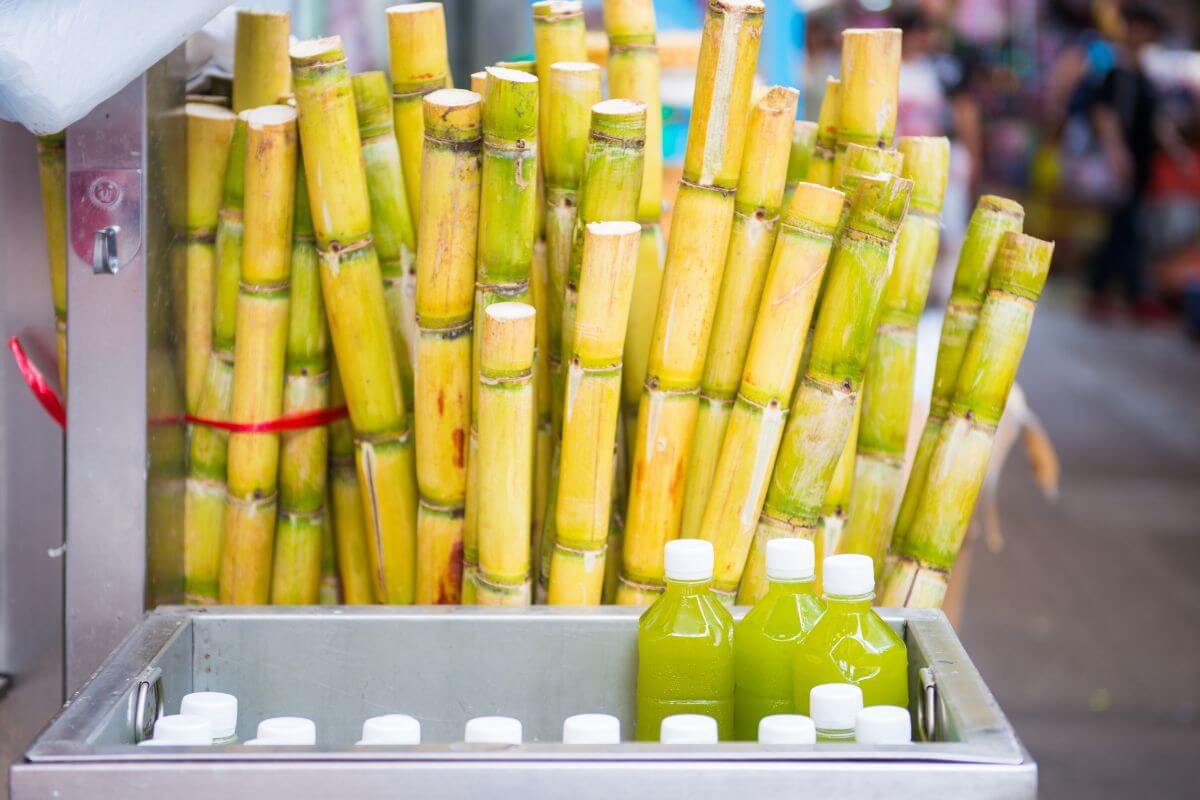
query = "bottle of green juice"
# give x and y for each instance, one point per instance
(765, 640)
(685, 646)
(850, 642)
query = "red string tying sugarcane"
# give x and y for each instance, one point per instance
(50, 401)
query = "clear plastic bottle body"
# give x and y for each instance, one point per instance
(685, 659)
(843, 736)
(765, 644)
(852, 644)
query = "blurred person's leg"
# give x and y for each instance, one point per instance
(1133, 264)
(1106, 263)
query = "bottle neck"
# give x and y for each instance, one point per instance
(792, 585)
(688, 588)
(849, 603)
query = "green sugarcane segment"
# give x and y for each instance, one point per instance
(504, 256)
(392, 227)
(959, 461)
(823, 408)
(804, 139)
(992, 218)
(820, 165)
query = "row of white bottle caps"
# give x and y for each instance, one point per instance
(206, 718)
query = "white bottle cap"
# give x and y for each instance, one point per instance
(883, 725)
(181, 730)
(493, 730)
(790, 559)
(787, 729)
(849, 575)
(218, 708)
(835, 706)
(391, 729)
(591, 729)
(689, 560)
(688, 729)
(287, 730)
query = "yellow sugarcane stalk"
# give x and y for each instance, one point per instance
(419, 65)
(52, 174)
(355, 575)
(505, 421)
(445, 298)
(755, 218)
(261, 72)
(592, 406)
(804, 139)
(352, 288)
(259, 355)
(692, 274)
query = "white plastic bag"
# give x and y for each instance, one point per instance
(60, 58)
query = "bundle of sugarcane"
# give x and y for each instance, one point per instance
(823, 406)
(992, 219)
(755, 425)
(352, 288)
(592, 401)
(692, 274)
(919, 575)
(445, 298)
(886, 406)
(303, 455)
(52, 176)
(507, 222)
(259, 355)
(756, 212)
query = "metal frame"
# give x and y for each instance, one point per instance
(86, 749)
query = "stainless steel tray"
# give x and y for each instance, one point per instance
(445, 665)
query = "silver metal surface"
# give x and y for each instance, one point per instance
(119, 346)
(444, 665)
(31, 477)
(927, 704)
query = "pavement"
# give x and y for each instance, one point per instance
(1086, 626)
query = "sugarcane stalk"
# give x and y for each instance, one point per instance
(204, 495)
(261, 72)
(820, 165)
(303, 454)
(352, 288)
(52, 175)
(747, 451)
(964, 444)
(391, 225)
(570, 91)
(505, 421)
(804, 139)
(854, 162)
(259, 355)
(504, 255)
(419, 65)
(886, 406)
(355, 574)
(634, 73)
(592, 407)
(869, 90)
(445, 297)
(755, 223)
(823, 405)
(992, 218)
(543, 445)
(559, 35)
(330, 593)
(209, 132)
(695, 260)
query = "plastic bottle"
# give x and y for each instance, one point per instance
(219, 708)
(285, 731)
(180, 730)
(835, 708)
(850, 642)
(883, 725)
(688, 729)
(391, 729)
(591, 729)
(787, 729)
(685, 646)
(493, 730)
(766, 638)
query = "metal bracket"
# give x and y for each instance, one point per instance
(104, 251)
(148, 704)
(106, 217)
